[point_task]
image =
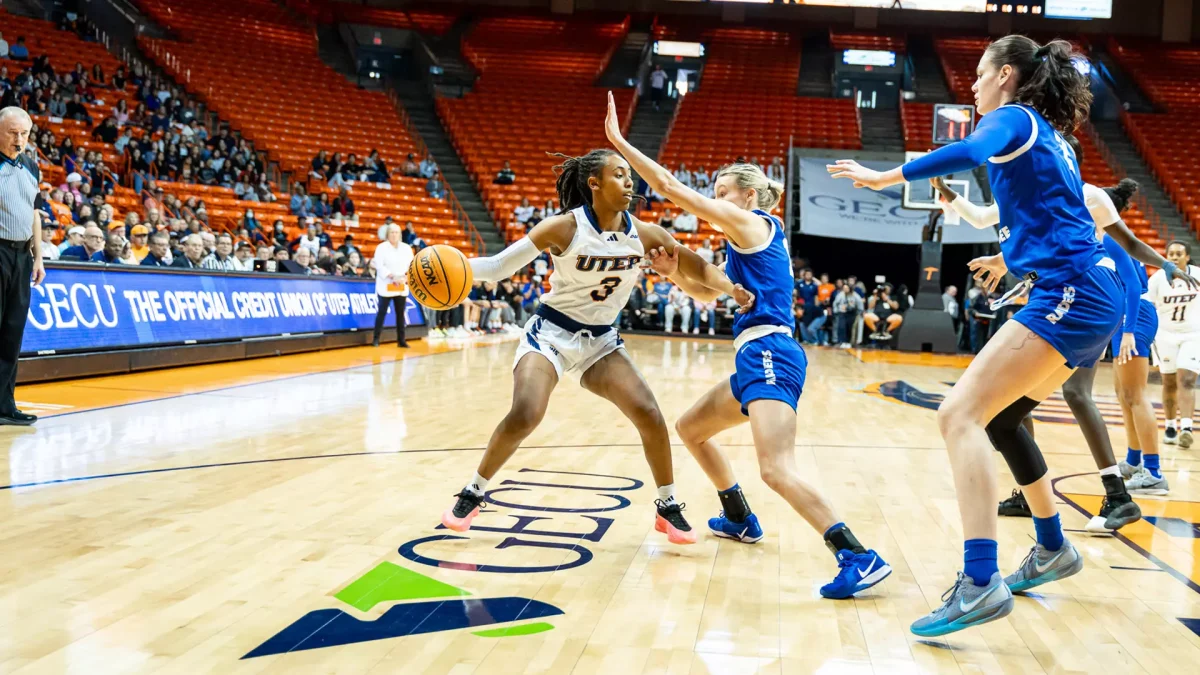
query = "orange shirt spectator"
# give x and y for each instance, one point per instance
(825, 290)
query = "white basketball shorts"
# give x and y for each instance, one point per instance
(570, 352)
(1175, 351)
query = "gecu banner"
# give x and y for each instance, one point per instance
(833, 207)
(97, 308)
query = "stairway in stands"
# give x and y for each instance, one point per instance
(816, 66)
(881, 130)
(929, 80)
(1113, 135)
(422, 112)
(649, 127)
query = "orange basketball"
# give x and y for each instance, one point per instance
(440, 277)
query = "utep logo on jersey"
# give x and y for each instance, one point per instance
(425, 605)
(606, 263)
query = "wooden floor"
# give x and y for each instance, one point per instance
(281, 516)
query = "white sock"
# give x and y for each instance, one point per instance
(1110, 471)
(1171, 424)
(478, 484)
(1187, 423)
(667, 494)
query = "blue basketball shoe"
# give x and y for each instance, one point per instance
(746, 532)
(857, 572)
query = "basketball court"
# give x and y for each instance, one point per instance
(282, 516)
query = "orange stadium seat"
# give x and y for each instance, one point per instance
(534, 95)
(260, 90)
(860, 40)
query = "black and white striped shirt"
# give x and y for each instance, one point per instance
(18, 195)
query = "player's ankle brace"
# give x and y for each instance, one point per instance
(1013, 441)
(840, 538)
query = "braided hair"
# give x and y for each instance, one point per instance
(573, 173)
(1122, 192)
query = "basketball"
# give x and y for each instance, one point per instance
(439, 277)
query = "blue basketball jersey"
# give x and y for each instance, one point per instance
(1045, 228)
(766, 271)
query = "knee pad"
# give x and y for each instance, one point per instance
(1016, 444)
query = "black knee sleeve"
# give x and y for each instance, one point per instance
(1014, 441)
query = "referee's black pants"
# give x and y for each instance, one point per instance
(399, 302)
(16, 268)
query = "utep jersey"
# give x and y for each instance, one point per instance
(765, 271)
(1178, 306)
(1045, 224)
(593, 278)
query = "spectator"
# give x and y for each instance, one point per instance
(375, 169)
(825, 290)
(77, 111)
(221, 259)
(298, 206)
(847, 305)
(531, 295)
(677, 301)
(281, 254)
(92, 248)
(159, 254)
(320, 166)
(3, 47)
(982, 317)
(434, 188)
(210, 242)
(308, 240)
(882, 308)
(249, 222)
(320, 208)
(704, 312)
(74, 238)
(49, 250)
(811, 330)
(950, 305)
(705, 251)
(807, 289)
(523, 213)
(667, 220)
(322, 237)
(278, 235)
(343, 206)
(243, 259)
(702, 182)
(305, 258)
(684, 175)
(353, 266)
(409, 235)
(509, 294)
(19, 52)
(73, 185)
(348, 246)
(506, 175)
(658, 86)
(193, 254)
(428, 168)
(264, 253)
(410, 168)
(107, 132)
(777, 171)
(114, 249)
(548, 210)
(686, 222)
(391, 261)
(138, 242)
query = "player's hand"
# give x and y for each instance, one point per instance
(39, 271)
(743, 297)
(989, 270)
(1128, 349)
(1173, 272)
(612, 125)
(662, 262)
(861, 175)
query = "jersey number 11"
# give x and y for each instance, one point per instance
(1178, 313)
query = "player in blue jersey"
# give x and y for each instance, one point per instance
(1028, 95)
(1138, 328)
(770, 365)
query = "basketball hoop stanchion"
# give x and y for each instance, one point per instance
(927, 327)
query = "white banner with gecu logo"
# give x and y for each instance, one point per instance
(833, 207)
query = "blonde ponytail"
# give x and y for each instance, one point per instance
(749, 176)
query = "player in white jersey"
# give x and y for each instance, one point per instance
(597, 249)
(1177, 344)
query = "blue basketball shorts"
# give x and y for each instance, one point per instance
(1143, 335)
(771, 367)
(1078, 317)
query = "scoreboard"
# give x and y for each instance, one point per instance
(952, 122)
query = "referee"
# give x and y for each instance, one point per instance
(20, 251)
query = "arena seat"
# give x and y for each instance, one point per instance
(534, 95)
(429, 21)
(866, 40)
(251, 63)
(960, 58)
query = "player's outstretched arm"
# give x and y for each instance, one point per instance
(697, 277)
(980, 217)
(739, 224)
(553, 233)
(1142, 252)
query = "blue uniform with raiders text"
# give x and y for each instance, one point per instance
(769, 362)
(1046, 232)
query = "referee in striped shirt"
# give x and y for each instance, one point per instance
(20, 251)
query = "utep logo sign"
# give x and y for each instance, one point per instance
(1053, 410)
(430, 606)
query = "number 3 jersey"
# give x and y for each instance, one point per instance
(593, 278)
(1178, 309)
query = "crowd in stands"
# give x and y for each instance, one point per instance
(974, 320)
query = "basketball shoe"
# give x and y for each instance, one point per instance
(856, 572)
(1042, 566)
(966, 605)
(1015, 506)
(748, 531)
(1145, 483)
(1171, 436)
(1127, 469)
(1115, 513)
(1185, 438)
(459, 516)
(670, 521)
